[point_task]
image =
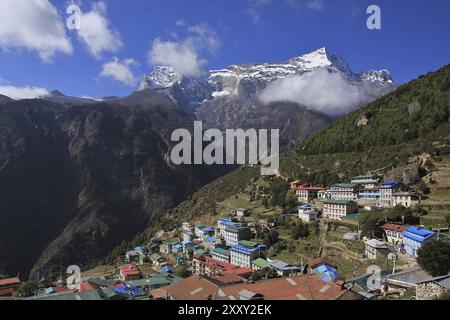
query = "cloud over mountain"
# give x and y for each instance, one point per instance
(319, 90)
(184, 55)
(26, 92)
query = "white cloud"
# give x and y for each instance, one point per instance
(254, 6)
(26, 92)
(315, 5)
(120, 71)
(305, 5)
(184, 55)
(320, 90)
(96, 32)
(33, 25)
(180, 23)
(204, 37)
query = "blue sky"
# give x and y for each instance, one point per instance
(414, 38)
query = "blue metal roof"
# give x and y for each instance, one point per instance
(419, 235)
(208, 229)
(305, 206)
(128, 291)
(326, 273)
(210, 239)
(246, 250)
(389, 183)
(227, 222)
(185, 242)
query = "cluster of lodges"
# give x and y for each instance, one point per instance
(400, 238)
(343, 199)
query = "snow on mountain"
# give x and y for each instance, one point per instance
(162, 77)
(376, 76)
(246, 80)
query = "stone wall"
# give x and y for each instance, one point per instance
(429, 291)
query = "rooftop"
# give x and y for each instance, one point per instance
(303, 287)
(339, 202)
(262, 263)
(393, 227)
(375, 243)
(345, 185)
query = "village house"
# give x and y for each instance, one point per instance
(406, 199)
(207, 266)
(187, 227)
(187, 245)
(204, 231)
(221, 254)
(301, 287)
(8, 286)
(188, 236)
(369, 195)
(240, 213)
(307, 213)
(156, 259)
(211, 242)
(234, 234)
(156, 281)
(260, 264)
(324, 195)
(338, 209)
(414, 238)
(284, 269)
(243, 253)
(167, 247)
(375, 249)
(387, 190)
(345, 191)
(366, 181)
(394, 234)
(306, 193)
(226, 222)
(129, 272)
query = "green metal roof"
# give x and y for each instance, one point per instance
(247, 243)
(341, 202)
(262, 263)
(346, 185)
(101, 282)
(221, 251)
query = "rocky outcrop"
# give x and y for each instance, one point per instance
(363, 119)
(77, 181)
(414, 107)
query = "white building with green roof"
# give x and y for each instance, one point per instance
(345, 191)
(221, 254)
(260, 264)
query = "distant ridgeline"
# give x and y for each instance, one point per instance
(412, 120)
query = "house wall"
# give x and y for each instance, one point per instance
(337, 211)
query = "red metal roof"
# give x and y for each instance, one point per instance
(226, 268)
(10, 282)
(86, 286)
(310, 188)
(129, 270)
(394, 227)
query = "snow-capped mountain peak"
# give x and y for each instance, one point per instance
(376, 76)
(162, 77)
(246, 80)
